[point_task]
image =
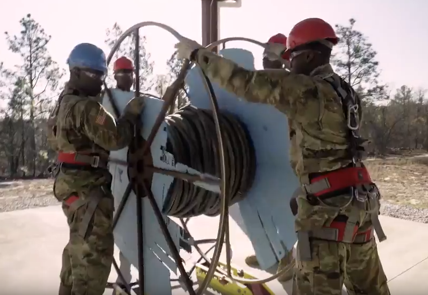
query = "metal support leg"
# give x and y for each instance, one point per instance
(125, 270)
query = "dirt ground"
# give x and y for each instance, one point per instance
(402, 180)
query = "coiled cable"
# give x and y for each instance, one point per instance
(192, 142)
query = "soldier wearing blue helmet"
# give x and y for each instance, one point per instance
(83, 133)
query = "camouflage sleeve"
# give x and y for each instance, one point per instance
(286, 91)
(100, 127)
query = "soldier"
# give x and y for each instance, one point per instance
(82, 132)
(124, 73)
(337, 203)
(123, 69)
(275, 64)
(288, 260)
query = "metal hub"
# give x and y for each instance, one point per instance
(138, 160)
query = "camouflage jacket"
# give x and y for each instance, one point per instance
(313, 107)
(81, 124)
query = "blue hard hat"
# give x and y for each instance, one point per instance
(89, 56)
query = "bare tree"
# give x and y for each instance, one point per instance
(39, 76)
(127, 48)
(356, 61)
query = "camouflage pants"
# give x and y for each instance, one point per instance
(356, 265)
(86, 262)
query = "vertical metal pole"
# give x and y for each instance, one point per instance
(209, 22)
(139, 189)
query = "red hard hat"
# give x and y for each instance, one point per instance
(310, 30)
(123, 63)
(279, 39)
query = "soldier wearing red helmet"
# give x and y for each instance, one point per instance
(123, 69)
(275, 64)
(338, 203)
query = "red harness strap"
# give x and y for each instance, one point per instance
(358, 237)
(71, 199)
(340, 226)
(365, 236)
(339, 179)
(81, 159)
(69, 158)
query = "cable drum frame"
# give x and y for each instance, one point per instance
(142, 188)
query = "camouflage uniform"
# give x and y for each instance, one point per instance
(321, 145)
(82, 125)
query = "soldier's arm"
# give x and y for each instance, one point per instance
(282, 89)
(100, 126)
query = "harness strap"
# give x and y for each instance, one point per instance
(364, 237)
(378, 227)
(74, 203)
(94, 161)
(352, 225)
(352, 109)
(304, 246)
(337, 232)
(337, 180)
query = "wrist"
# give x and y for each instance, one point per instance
(193, 55)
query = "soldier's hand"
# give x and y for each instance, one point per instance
(186, 47)
(135, 106)
(274, 51)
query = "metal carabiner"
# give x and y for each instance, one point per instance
(353, 110)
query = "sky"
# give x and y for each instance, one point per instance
(397, 29)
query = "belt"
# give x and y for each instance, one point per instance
(85, 160)
(337, 180)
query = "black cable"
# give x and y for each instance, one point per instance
(193, 142)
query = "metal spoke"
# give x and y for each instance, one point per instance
(174, 251)
(139, 190)
(168, 98)
(119, 162)
(209, 179)
(122, 204)
(122, 278)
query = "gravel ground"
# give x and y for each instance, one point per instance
(404, 212)
(21, 203)
(27, 194)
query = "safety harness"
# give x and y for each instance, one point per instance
(354, 179)
(80, 161)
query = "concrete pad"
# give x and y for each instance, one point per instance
(405, 247)
(412, 281)
(31, 243)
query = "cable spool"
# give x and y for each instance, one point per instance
(192, 142)
(227, 153)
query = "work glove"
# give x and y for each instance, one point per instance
(274, 51)
(134, 108)
(186, 47)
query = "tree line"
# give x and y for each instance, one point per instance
(29, 90)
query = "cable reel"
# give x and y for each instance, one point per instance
(140, 168)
